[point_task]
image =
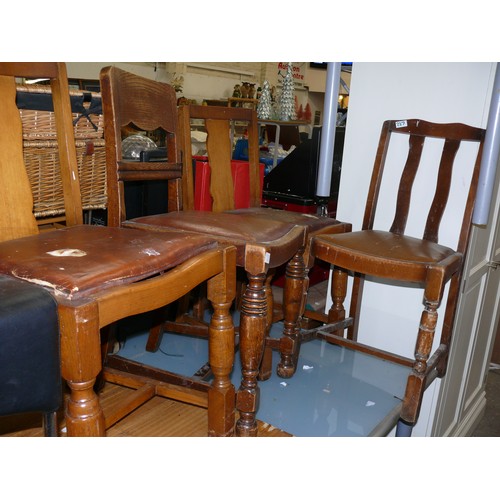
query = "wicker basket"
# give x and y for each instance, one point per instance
(41, 150)
(42, 164)
(35, 107)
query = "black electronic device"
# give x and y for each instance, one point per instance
(294, 180)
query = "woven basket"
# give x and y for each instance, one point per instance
(41, 150)
(40, 124)
(42, 164)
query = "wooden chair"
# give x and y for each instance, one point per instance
(99, 275)
(265, 239)
(402, 259)
(220, 124)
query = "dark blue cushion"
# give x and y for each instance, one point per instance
(30, 374)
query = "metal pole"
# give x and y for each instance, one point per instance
(328, 130)
(489, 159)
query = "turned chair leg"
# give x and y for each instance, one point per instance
(221, 395)
(294, 302)
(266, 365)
(253, 324)
(338, 293)
(80, 333)
(415, 386)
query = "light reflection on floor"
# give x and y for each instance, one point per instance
(335, 392)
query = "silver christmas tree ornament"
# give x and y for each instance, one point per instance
(287, 100)
(264, 105)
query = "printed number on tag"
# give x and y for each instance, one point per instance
(401, 124)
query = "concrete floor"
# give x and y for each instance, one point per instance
(490, 423)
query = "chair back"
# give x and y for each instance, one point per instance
(16, 199)
(131, 102)
(220, 124)
(452, 136)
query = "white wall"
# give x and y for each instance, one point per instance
(90, 70)
(439, 92)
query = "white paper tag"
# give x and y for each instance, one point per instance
(401, 124)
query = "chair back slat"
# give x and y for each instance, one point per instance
(220, 124)
(136, 103)
(416, 145)
(438, 206)
(453, 135)
(16, 198)
(145, 103)
(219, 149)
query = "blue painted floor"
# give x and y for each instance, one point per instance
(335, 392)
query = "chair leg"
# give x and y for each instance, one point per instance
(221, 395)
(415, 386)
(50, 424)
(355, 308)
(80, 333)
(294, 301)
(266, 365)
(448, 323)
(156, 332)
(253, 323)
(338, 293)
(403, 429)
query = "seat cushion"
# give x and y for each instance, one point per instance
(76, 261)
(278, 240)
(232, 227)
(30, 377)
(382, 253)
(312, 222)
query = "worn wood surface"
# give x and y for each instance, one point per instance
(159, 417)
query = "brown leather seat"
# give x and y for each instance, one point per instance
(238, 230)
(385, 254)
(81, 261)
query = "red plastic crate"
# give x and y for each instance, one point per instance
(239, 170)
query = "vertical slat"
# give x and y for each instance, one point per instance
(187, 159)
(16, 200)
(438, 206)
(174, 195)
(416, 144)
(219, 150)
(67, 148)
(253, 159)
(378, 170)
(115, 190)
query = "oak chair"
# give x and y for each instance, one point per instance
(220, 124)
(99, 275)
(30, 372)
(405, 260)
(264, 240)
